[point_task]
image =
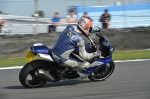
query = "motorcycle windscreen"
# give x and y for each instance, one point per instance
(40, 49)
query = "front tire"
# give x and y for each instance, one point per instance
(29, 72)
(103, 73)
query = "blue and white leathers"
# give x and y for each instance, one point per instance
(69, 40)
(66, 44)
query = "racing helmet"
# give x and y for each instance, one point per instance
(85, 25)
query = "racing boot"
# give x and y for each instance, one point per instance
(88, 65)
(64, 73)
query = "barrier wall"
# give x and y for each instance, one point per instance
(122, 16)
(122, 39)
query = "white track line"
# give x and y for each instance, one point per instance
(118, 61)
(13, 67)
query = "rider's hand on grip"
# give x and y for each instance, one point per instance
(97, 53)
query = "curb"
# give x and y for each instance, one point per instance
(137, 60)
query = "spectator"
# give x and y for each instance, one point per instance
(72, 18)
(55, 21)
(2, 22)
(85, 15)
(105, 19)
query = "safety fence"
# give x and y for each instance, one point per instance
(31, 25)
(42, 27)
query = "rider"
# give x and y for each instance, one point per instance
(69, 40)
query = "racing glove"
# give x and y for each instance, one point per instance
(97, 53)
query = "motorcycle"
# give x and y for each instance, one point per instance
(38, 72)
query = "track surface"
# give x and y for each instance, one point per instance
(130, 80)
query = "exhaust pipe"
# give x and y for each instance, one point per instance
(45, 75)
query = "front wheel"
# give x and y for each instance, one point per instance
(103, 73)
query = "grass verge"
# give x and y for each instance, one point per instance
(117, 55)
(131, 55)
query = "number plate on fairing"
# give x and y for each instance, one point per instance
(30, 56)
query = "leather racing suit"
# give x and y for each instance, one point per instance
(68, 41)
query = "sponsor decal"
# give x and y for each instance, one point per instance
(56, 57)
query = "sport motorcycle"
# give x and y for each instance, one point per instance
(39, 71)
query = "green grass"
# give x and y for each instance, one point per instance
(130, 55)
(12, 62)
(117, 55)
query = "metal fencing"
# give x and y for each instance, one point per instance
(29, 25)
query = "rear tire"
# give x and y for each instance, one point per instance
(30, 69)
(103, 73)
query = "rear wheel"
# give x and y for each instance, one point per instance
(28, 75)
(102, 73)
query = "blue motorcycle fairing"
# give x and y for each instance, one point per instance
(90, 70)
(40, 49)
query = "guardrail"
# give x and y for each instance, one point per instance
(9, 28)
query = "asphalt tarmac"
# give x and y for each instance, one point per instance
(130, 80)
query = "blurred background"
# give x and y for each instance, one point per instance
(22, 14)
(25, 22)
